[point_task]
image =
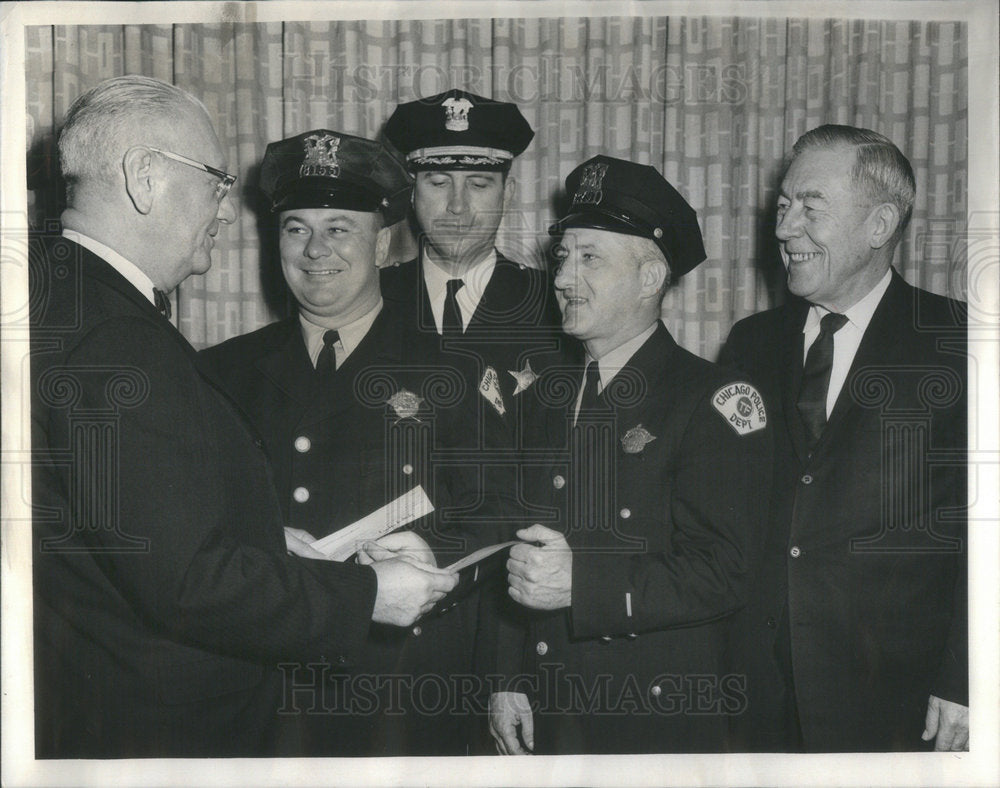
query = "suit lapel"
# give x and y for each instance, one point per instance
(792, 345)
(286, 363)
(879, 343)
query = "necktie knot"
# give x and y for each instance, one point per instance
(451, 319)
(162, 302)
(326, 363)
(832, 322)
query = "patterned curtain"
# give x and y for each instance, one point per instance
(715, 104)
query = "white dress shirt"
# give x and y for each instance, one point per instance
(847, 340)
(351, 335)
(468, 297)
(611, 363)
(135, 275)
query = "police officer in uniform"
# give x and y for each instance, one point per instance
(491, 318)
(349, 422)
(645, 475)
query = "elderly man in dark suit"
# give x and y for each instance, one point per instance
(855, 637)
(351, 416)
(645, 478)
(164, 595)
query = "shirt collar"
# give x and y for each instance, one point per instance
(859, 315)
(351, 335)
(475, 278)
(135, 275)
(611, 363)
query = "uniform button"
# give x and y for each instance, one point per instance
(302, 444)
(625, 513)
(795, 552)
(407, 469)
(771, 622)
(417, 630)
(807, 479)
(558, 482)
(300, 494)
(632, 635)
(655, 690)
(541, 648)
(605, 638)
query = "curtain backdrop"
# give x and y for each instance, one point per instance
(714, 103)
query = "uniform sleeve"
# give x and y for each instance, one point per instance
(198, 580)
(720, 486)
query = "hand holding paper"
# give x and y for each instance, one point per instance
(408, 590)
(400, 544)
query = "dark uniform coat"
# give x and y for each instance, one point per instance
(164, 596)
(864, 556)
(659, 499)
(340, 455)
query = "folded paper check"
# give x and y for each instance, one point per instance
(342, 544)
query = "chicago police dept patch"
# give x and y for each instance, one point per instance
(741, 405)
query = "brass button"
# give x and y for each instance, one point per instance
(558, 482)
(795, 552)
(300, 494)
(302, 444)
(541, 648)
(625, 513)
(407, 469)
(807, 479)
(417, 630)
(655, 690)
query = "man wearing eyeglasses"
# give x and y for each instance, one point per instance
(164, 596)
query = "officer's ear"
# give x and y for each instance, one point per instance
(382, 241)
(137, 167)
(653, 275)
(509, 187)
(883, 219)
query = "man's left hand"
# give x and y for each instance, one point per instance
(400, 544)
(949, 723)
(541, 577)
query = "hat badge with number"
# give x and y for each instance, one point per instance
(589, 190)
(456, 113)
(321, 156)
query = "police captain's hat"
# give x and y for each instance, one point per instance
(624, 197)
(457, 130)
(327, 169)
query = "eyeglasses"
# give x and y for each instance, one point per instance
(226, 180)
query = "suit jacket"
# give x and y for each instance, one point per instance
(659, 498)
(339, 455)
(163, 593)
(858, 608)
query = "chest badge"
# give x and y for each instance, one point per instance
(524, 378)
(406, 404)
(742, 406)
(635, 440)
(489, 387)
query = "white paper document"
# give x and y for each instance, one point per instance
(342, 544)
(479, 555)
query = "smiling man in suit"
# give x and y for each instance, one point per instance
(164, 597)
(855, 637)
(644, 481)
(351, 416)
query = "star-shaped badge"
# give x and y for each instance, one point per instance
(524, 378)
(406, 404)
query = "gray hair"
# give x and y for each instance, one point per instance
(881, 172)
(102, 124)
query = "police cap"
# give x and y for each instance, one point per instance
(624, 197)
(327, 169)
(457, 130)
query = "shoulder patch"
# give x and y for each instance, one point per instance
(742, 406)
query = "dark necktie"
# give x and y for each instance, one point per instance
(589, 402)
(816, 377)
(326, 362)
(451, 320)
(162, 302)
